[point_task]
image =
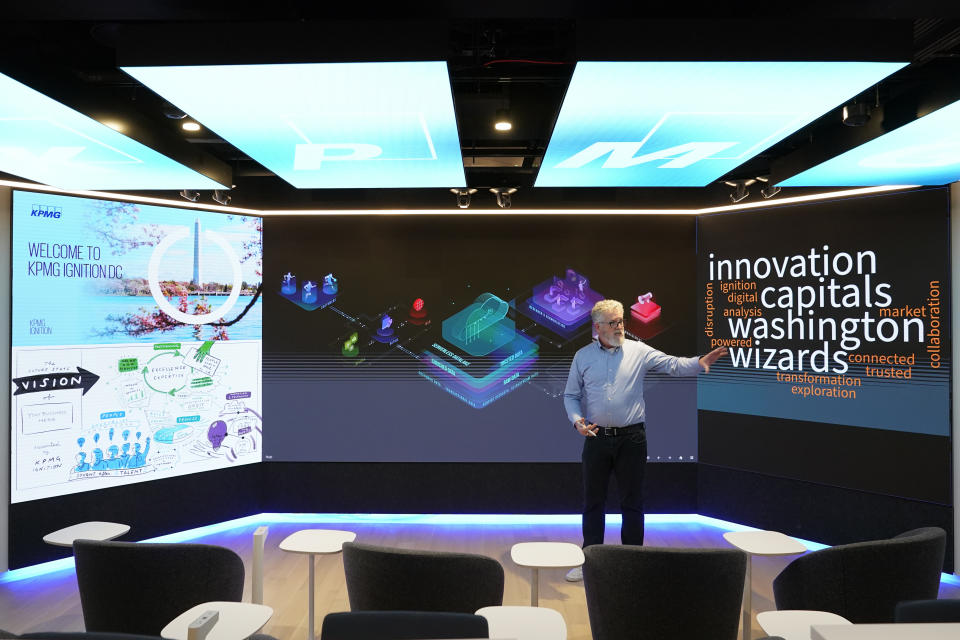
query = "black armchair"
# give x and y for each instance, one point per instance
(128, 587)
(651, 593)
(927, 611)
(864, 581)
(387, 579)
(402, 625)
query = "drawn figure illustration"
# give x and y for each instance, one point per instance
(113, 462)
(82, 464)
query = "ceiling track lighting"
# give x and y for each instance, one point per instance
(221, 197)
(768, 190)
(740, 189)
(463, 196)
(856, 114)
(190, 194)
(173, 112)
(503, 196)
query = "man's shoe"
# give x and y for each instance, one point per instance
(574, 575)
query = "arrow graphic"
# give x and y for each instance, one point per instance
(66, 380)
(173, 391)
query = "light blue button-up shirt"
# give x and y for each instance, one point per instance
(605, 386)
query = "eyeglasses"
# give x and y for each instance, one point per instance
(613, 324)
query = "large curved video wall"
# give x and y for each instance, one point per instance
(448, 338)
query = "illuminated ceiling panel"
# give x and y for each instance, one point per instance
(685, 124)
(331, 125)
(43, 140)
(925, 151)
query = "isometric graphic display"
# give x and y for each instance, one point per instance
(562, 302)
(481, 327)
(327, 125)
(435, 352)
(685, 124)
(136, 343)
(46, 141)
(478, 358)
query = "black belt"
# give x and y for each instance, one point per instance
(619, 431)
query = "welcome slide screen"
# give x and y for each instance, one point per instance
(136, 340)
(448, 338)
(837, 319)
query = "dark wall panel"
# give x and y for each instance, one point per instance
(175, 504)
(816, 512)
(150, 508)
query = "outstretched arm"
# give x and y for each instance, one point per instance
(712, 357)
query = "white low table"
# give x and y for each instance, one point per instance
(93, 530)
(524, 623)
(794, 624)
(545, 555)
(313, 542)
(760, 543)
(237, 620)
(907, 631)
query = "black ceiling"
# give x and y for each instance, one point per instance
(522, 62)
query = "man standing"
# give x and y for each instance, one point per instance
(604, 401)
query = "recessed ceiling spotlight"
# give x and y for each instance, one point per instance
(190, 126)
(114, 124)
(502, 121)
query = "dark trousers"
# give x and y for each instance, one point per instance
(625, 457)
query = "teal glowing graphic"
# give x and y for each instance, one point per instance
(925, 151)
(481, 327)
(685, 124)
(342, 125)
(45, 141)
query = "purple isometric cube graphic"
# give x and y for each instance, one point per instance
(567, 300)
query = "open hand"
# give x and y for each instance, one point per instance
(712, 357)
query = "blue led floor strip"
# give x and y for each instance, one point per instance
(452, 519)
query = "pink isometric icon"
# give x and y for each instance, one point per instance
(645, 309)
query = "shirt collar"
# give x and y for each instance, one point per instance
(605, 349)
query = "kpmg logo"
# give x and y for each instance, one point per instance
(45, 211)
